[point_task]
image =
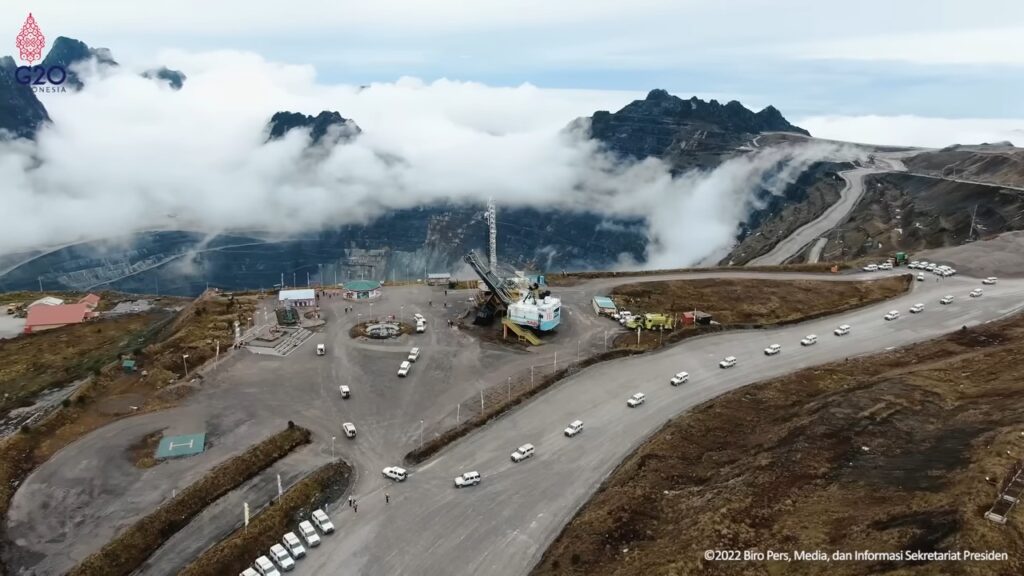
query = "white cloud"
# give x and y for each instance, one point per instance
(915, 130)
(127, 153)
(990, 45)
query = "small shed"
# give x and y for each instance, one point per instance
(603, 305)
(128, 365)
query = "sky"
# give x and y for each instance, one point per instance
(461, 101)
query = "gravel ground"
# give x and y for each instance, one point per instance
(999, 256)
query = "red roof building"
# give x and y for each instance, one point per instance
(91, 300)
(47, 317)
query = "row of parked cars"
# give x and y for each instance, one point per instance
(282, 556)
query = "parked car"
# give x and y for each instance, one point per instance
(322, 522)
(282, 558)
(919, 307)
(636, 400)
(265, 567)
(773, 350)
(345, 392)
(250, 571)
(349, 429)
(842, 330)
(947, 299)
(395, 473)
(308, 533)
(976, 292)
(913, 264)
(293, 545)
(809, 340)
(414, 354)
(885, 266)
(871, 268)
(990, 280)
(573, 429)
(679, 378)
(892, 315)
(728, 362)
(321, 349)
(403, 370)
(523, 452)
(467, 479)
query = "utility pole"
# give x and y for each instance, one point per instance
(40, 283)
(970, 234)
(421, 433)
(509, 389)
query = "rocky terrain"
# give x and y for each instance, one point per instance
(996, 163)
(21, 112)
(909, 212)
(329, 127)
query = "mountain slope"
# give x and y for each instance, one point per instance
(327, 126)
(21, 112)
(67, 52)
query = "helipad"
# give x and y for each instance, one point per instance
(178, 446)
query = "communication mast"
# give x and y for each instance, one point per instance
(492, 229)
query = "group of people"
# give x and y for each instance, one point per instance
(354, 505)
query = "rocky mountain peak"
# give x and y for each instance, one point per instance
(21, 112)
(327, 124)
(66, 52)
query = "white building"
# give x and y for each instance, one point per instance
(301, 298)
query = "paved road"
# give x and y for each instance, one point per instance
(815, 254)
(964, 181)
(503, 526)
(832, 217)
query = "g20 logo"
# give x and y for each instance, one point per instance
(30, 43)
(40, 75)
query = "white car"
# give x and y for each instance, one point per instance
(265, 567)
(395, 473)
(923, 264)
(919, 307)
(293, 545)
(920, 276)
(636, 400)
(977, 292)
(282, 558)
(403, 370)
(990, 280)
(414, 354)
(349, 429)
(842, 330)
(523, 452)
(810, 340)
(913, 264)
(345, 392)
(467, 479)
(773, 350)
(679, 378)
(322, 522)
(885, 266)
(308, 533)
(947, 299)
(249, 572)
(892, 315)
(871, 268)
(728, 362)
(573, 429)
(421, 326)
(419, 317)
(321, 349)
(931, 267)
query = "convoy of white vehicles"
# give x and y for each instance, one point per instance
(282, 556)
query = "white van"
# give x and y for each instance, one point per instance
(292, 544)
(575, 428)
(321, 521)
(282, 558)
(309, 534)
(350, 429)
(321, 349)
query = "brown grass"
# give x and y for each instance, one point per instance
(235, 553)
(880, 453)
(129, 549)
(573, 278)
(143, 452)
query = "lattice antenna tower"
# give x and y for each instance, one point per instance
(492, 231)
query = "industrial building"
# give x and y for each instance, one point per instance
(438, 279)
(361, 290)
(298, 298)
(49, 317)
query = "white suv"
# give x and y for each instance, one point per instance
(414, 355)
(265, 567)
(349, 429)
(395, 473)
(728, 362)
(636, 400)
(947, 299)
(403, 370)
(892, 315)
(309, 534)
(281, 557)
(842, 330)
(523, 452)
(467, 479)
(293, 545)
(773, 350)
(990, 280)
(321, 521)
(575, 428)
(916, 308)
(679, 378)
(976, 292)
(810, 340)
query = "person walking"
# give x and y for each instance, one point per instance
(387, 498)
(350, 501)
(355, 507)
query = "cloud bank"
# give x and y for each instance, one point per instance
(129, 154)
(915, 130)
